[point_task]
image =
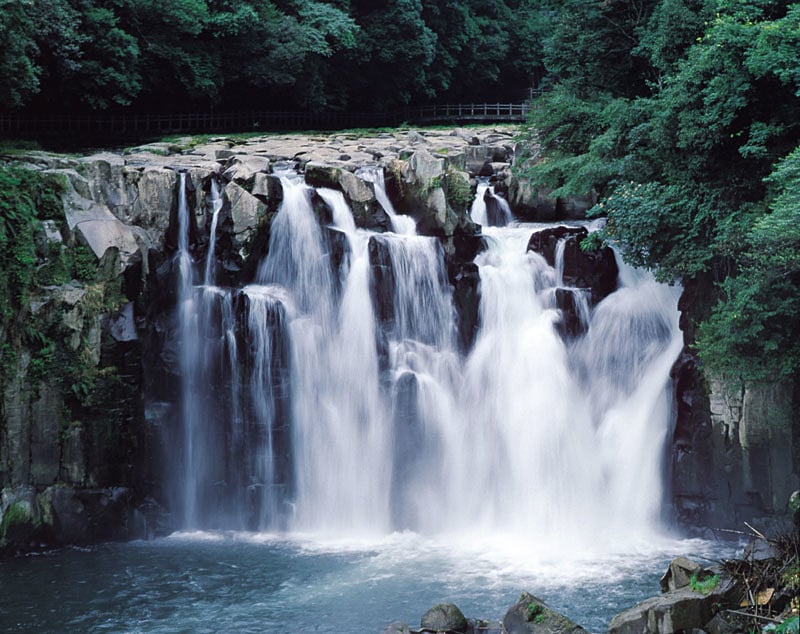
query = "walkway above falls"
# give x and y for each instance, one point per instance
(138, 126)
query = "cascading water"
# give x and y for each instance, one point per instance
(216, 207)
(366, 418)
(400, 224)
(488, 209)
(233, 471)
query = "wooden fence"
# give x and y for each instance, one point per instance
(132, 126)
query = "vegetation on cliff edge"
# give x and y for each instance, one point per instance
(683, 116)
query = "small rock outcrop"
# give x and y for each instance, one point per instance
(444, 617)
(691, 597)
(595, 268)
(530, 615)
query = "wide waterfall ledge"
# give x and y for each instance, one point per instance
(331, 397)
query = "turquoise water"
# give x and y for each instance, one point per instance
(213, 582)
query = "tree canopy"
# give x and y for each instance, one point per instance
(683, 116)
(87, 55)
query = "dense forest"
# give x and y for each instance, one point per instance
(308, 54)
(681, 116)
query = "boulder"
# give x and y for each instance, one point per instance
(532, 616)
(528, 202)
(267, 188)
(88, 516)
(595, 268)
(426, 168)
(20, 519)
(155, 193)
(679, 574)
(571, 324)
(545, 241)
(242, 170)
(48, 239)
(382, 281)
(246, 212)
(359, 194)
(680, 610)
(98, 228)
(444, 617)
(396, 627)
(575, 207)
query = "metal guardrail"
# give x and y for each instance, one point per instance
(141, 125)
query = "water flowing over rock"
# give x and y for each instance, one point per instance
(359, 339)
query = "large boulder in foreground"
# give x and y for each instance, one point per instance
(444, 617)
(530, 615)
(692, 598)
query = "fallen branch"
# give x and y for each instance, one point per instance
(754, 616)
(759, 533)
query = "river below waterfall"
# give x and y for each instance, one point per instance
(256, 582)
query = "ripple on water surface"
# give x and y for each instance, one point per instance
(253, 582)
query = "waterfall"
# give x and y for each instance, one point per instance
(488, 209)
(234, 437)
(187, 327)
(400, 224)
(216, 206)
(360, 415)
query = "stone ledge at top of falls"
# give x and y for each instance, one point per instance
(138, 186)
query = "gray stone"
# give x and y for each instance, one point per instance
(267, 187)
(322, 175)
(98, 228)
(247, 212)
(672, 612)
(416, 138)
(444, 617)
(679, 574)
(532, 616)
(396, 627)
(19, 515)
(15, 448)
(48, 237)
(122, 325)
(242, 169)
(426, 168)
(528, 202)
(45, 430)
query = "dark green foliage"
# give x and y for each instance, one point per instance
(18, 68)
(25, 198)
(146, 55)
(691, 145)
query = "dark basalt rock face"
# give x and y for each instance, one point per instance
(382, 281)
(571, 324)
(467, 299)
(595, 269)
